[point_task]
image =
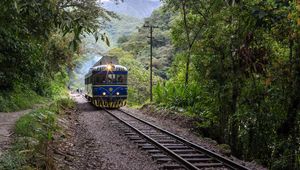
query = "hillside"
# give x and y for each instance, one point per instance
(138, 44)
(131, 14)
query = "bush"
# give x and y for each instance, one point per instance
(20, 98)
(61, 105)
(34, 131)
(12, 160)
(39, 124)
(191, 100)
(177, 95)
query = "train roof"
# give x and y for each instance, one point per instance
(104, 68)
(106, 59)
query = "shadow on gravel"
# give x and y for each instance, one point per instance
(86, 107)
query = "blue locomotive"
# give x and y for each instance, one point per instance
(106, 85)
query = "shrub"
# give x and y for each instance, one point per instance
(20, 98)
(172, 94)
(33, 132)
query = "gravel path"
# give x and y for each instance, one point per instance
(7, 121)
(94, 142)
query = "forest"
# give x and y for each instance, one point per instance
(40, 44)
(233, 65)
(42, 38)
(236, 66)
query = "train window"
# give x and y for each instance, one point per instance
(99, 79)
(121, 79)
(111, 78)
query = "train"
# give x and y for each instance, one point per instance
(106, 84)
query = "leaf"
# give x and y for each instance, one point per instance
(96, 37)
(16, 6)
(73, 45)
(25, 151)
(107, 41)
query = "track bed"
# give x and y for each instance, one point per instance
(168, 149)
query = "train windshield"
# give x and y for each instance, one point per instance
(110, 79)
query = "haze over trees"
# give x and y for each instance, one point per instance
(139, 9)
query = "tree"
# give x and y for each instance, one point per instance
(245, 56)
(191, 23)
(34, 38)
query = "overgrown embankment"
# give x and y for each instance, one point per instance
(22, 96)
(18, 99)
(33, 135)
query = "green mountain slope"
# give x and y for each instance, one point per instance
(138, 43)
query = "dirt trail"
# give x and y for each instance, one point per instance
(7, 121)
(95, 142)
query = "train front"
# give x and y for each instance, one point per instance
(109, 86)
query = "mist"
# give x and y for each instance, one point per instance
(132, 13)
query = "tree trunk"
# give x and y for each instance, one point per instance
(187, 30)
(224, 115)
(292, 118)
(289, 128)
(234, 120)
(234, 100)
(187, 68)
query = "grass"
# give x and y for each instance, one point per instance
(18, 99)
(34, 131)
(23, 97)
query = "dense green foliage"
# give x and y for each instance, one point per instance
(178, 96)
(238, 68)
(20, 98)
(121, 27)
(34, 132)
(138, 44)
(38, 41)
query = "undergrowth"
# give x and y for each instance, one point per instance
(18, 99)
(34, 132)
(22, 96)
(190, 100)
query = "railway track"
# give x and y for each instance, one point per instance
(168, 149)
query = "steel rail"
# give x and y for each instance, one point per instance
(227, 162)
(168, 151)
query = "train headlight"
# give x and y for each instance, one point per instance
(118, 93)
(109, 67)
(103, 93)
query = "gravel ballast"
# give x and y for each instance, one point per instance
(182, 126)
(94, 142)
